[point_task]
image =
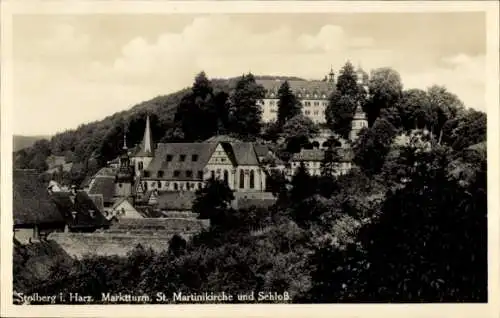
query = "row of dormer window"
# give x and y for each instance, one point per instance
(182, 158)
(177, 174)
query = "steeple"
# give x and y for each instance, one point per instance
(331, 75)
(146, 149)
(125, 140)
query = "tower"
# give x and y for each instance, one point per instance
(125, 176)
(359, 122)
(331, 76)
(145, 155)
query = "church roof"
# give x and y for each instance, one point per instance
(32, 203)
(174, 159)
(303, 89)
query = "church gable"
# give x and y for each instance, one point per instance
(220, 156)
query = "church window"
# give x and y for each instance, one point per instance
(226, 176)
(242, 179)
(160, 173)
(177, 173)
(252, 179)
(182, 158)
(176, 186)
(194, 158)
(200, 174)
(189, 173)
(169, 158)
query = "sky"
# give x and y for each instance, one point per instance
(73, 69)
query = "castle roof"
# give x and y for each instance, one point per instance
(301, 88)
(32, 203)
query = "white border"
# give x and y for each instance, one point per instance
(8, 9)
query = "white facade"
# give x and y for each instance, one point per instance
(311, 108)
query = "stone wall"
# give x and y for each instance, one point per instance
(173, 225)
(81, 245)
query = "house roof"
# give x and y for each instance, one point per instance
(119, 201)
(105, 186)
(32, 203)
(87, 213)
(176, 200)
(315, 89)
(222, 138)
(261, 150)
(309, 155)
(98, 201)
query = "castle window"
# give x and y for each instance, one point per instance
(145, 185)
(182, 158)
(120, 185)
(189, 173)
(316, 103)
(242, 179)
(169, 158)
(212, 174)
(159, 184)
(316, 112)
(146, 174)
(194, 158)
(160, 173)
(226, 176)
(308, 112)
(177, 173)
(176, 186)
(252, 179)
(140, 165)
(200, 174)
(307, 104)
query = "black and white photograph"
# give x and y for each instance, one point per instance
(248, 158)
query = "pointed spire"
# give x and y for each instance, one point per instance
(146, 149)
(147, 136)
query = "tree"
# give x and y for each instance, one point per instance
(213, 202)
(339, 113)
(385, 88)
(198, 110)
(343, 101)
(373, 145)
(302, 184)
(465, 130)
(414, 109)
(244, 111)
(288, 104)
(444, 106)
(298, 131)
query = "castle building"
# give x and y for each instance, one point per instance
(125, 175)
(313, 95)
